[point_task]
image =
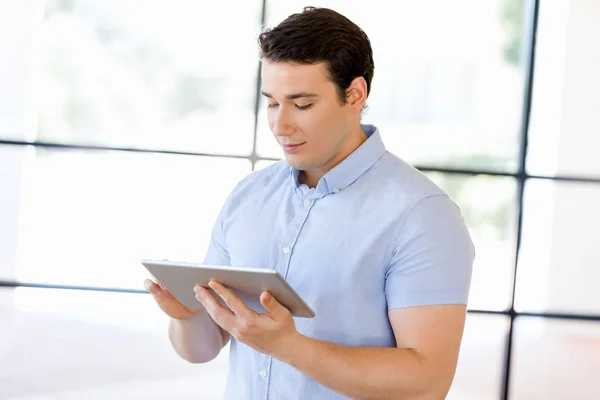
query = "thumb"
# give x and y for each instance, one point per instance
(271, 305)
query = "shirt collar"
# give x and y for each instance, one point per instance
(352, 167)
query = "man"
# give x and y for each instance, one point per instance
(379, 252)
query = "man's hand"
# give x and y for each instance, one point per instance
(269, 333)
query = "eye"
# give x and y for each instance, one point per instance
(306, 107)
(272, 105)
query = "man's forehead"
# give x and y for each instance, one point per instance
(293, 70)
(286, 79)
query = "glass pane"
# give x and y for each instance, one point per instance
(434, 93)
(110, 346)
(150, 74)
(564, 126)
(479, 372)
(555, 360)
(488, 206)
(18, 35)
(11, 166)
(89, 217)
(558, 263)
(260, 164)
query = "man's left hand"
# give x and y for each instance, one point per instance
(270, 333)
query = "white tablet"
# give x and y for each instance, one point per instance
(179, 278)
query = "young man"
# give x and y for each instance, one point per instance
(379, 252)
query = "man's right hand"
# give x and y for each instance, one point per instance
(168, 303)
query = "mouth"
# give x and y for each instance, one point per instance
(291, 148)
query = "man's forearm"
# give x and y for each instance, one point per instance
(197, 339)
(366, 372)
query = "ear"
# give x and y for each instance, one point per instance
(356, 94)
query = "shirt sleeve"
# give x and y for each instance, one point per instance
(217, 253)
(432, 259)
(217, 249)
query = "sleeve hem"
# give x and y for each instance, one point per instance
(429, 298)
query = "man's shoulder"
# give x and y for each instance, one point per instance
(419, 201)
(404, 180)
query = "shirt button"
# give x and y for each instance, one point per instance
(286, 250)
(336, 190)
(263, 374)
(306, 203)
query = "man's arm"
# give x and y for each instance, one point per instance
(194, 335)
(197, 339)
(421, 367)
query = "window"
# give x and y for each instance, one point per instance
(149, 74)
(92, 216)
(441, 94)
(117, 135)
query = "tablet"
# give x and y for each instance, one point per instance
(179, 278)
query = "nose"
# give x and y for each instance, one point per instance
(281, 123)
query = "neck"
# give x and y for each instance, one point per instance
(311, 177)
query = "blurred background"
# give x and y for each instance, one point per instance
(125, 124)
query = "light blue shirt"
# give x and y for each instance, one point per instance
(374, 235)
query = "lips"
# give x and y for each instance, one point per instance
(291, 148)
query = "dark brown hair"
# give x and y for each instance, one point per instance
(322, 35)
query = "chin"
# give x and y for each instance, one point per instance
(297, 162)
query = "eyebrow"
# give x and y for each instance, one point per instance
(292, 96)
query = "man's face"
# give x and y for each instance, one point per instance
(305, 114)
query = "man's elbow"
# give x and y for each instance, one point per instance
(423, 392)
(434, 394)
(195, 354)
(198, 357)
(433, 382)
(435, 386)
(196, 351)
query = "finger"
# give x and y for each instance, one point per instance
(159, 293)
(153, 280)
(160, 285)
(157, 282)
(272, 306)
(151, 286)
(233, 302)
(221, 315)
